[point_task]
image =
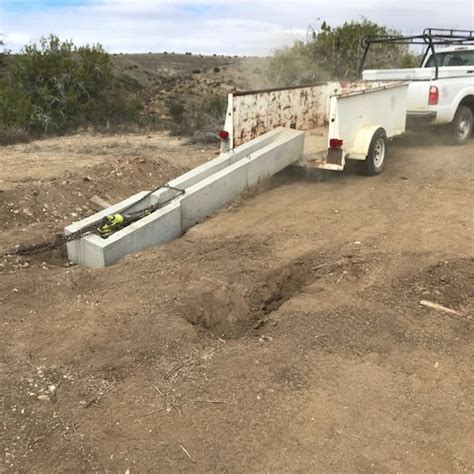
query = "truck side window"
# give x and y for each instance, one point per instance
(456, 61)
(455, 58)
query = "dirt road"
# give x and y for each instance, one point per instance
(283, 334)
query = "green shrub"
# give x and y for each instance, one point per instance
(176, 111)
(201, 120)
(334, 53)
(294, 65)
(215, 106)
(55, 87)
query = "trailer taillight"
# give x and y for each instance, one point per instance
(433, 98)
(224, 135)
(335, 143)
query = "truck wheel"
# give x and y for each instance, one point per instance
(375, 161)
(462, 125)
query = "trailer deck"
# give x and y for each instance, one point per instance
(315, 144)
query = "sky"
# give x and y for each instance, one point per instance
(241, 27)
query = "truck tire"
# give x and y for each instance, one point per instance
(375, 161)
(461, 126)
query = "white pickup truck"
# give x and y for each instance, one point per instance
(441, 91)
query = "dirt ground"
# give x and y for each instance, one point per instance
(284, 334)
(45, 185)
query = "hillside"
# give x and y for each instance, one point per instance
(188, 80)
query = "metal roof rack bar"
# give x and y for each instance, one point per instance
(430, 38)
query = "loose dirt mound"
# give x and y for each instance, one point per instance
(57, 201)
(70, 171)
(449, 283)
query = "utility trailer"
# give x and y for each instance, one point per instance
(341, 120)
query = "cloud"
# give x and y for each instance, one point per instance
(212, 26)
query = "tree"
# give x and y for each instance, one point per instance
(3, 55)
(334, 53)
(55, 86)
(294, 65)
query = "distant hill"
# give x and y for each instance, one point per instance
(186, 80)
(238, 72)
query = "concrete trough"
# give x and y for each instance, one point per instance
(212, 193)
(207, 188)
(224, 160)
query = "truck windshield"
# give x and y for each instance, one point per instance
(452, 58)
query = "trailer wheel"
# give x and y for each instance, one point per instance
(375, 161)
(461, 126)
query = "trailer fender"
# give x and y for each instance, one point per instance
(360, 148)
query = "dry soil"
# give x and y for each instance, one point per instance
(283, 334)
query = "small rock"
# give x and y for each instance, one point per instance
(436, 365)
(87, 178)
(357, 243)
(16, 290)
(42, 397)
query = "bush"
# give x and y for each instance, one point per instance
(3, 56)
(55, 87)
(334, 53)
(294, 65)
(176, 111)
(214, 106)
(200, 120)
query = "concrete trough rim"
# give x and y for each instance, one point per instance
(279, 140)
(98, 216)
(116, 236)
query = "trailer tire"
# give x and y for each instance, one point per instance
(377, 155)
(461, 126)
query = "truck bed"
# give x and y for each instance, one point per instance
(416, 74)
